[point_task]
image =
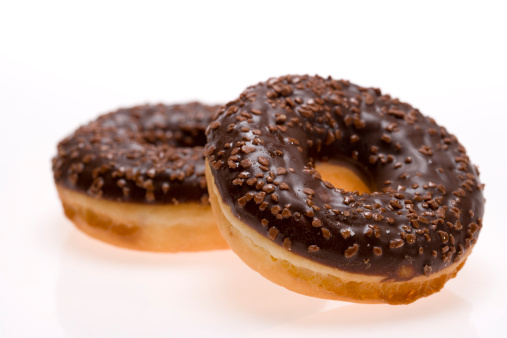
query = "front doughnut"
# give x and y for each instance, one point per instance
(394, 245)
(135, 178)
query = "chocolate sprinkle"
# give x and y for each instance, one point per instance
(412, 216)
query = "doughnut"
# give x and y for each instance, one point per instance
(134, 178)
(404, 222)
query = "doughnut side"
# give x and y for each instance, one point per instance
(159, 228)
(303, 276)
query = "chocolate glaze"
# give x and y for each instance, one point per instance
(427, 208)
(146, 154)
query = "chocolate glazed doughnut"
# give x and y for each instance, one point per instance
(135, 178)
(400, 242)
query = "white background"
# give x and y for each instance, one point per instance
(63, 63)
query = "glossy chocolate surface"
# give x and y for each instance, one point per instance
(146, 154)
(427, 208)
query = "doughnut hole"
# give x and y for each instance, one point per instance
(345, 176)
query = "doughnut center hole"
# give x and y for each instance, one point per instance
(345, 176)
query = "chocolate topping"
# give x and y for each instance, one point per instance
(426, 189)
(146, 154)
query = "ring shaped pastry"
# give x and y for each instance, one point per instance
(135, 178)
(401, 241)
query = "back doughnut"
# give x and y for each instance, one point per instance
(135, 178)
(399, 243)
